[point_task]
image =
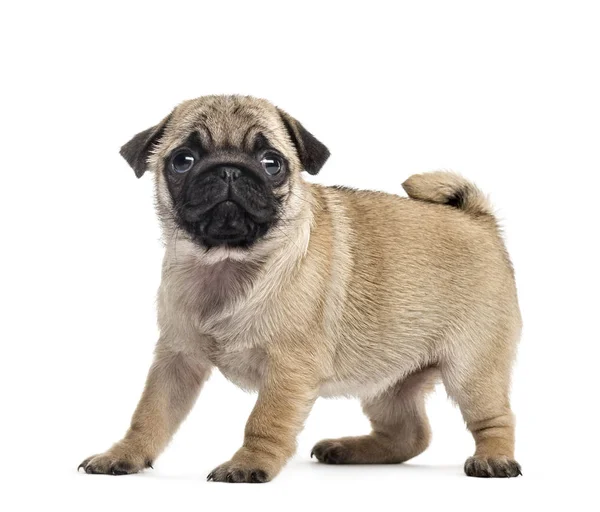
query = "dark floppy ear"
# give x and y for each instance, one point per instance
(137, 149)
(312, 153)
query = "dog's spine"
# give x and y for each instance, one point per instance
(451, 189)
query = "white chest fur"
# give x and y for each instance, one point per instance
(221, 309)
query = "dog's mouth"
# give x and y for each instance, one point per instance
(226, 223)
(216, 209)
(228, 205)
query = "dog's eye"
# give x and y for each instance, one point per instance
(271, 164)
(182, 161)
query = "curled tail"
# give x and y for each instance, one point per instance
(448, 188)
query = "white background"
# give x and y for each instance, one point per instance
(507, 93)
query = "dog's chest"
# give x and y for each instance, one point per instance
(245, 367)
(236, 349)
(218, 309)
(236, 345)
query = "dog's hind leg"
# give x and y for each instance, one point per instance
(480, 386)
(399, 421)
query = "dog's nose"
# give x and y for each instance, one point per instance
(229, 174)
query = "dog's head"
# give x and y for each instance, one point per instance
(228, 168)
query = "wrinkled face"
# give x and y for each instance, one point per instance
(227, 167)
(226, 195)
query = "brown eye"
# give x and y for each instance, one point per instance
(271, 164)
(182, 161)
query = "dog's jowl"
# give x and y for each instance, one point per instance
(297, 291)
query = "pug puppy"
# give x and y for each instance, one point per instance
(298, 290)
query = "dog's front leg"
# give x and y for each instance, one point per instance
(172, 387)
(285, 398)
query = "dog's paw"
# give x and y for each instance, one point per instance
(236, 473)
(492, 467)
(240, 472)
(330, 451)
(111, 463)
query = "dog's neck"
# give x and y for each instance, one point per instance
(221, 280)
